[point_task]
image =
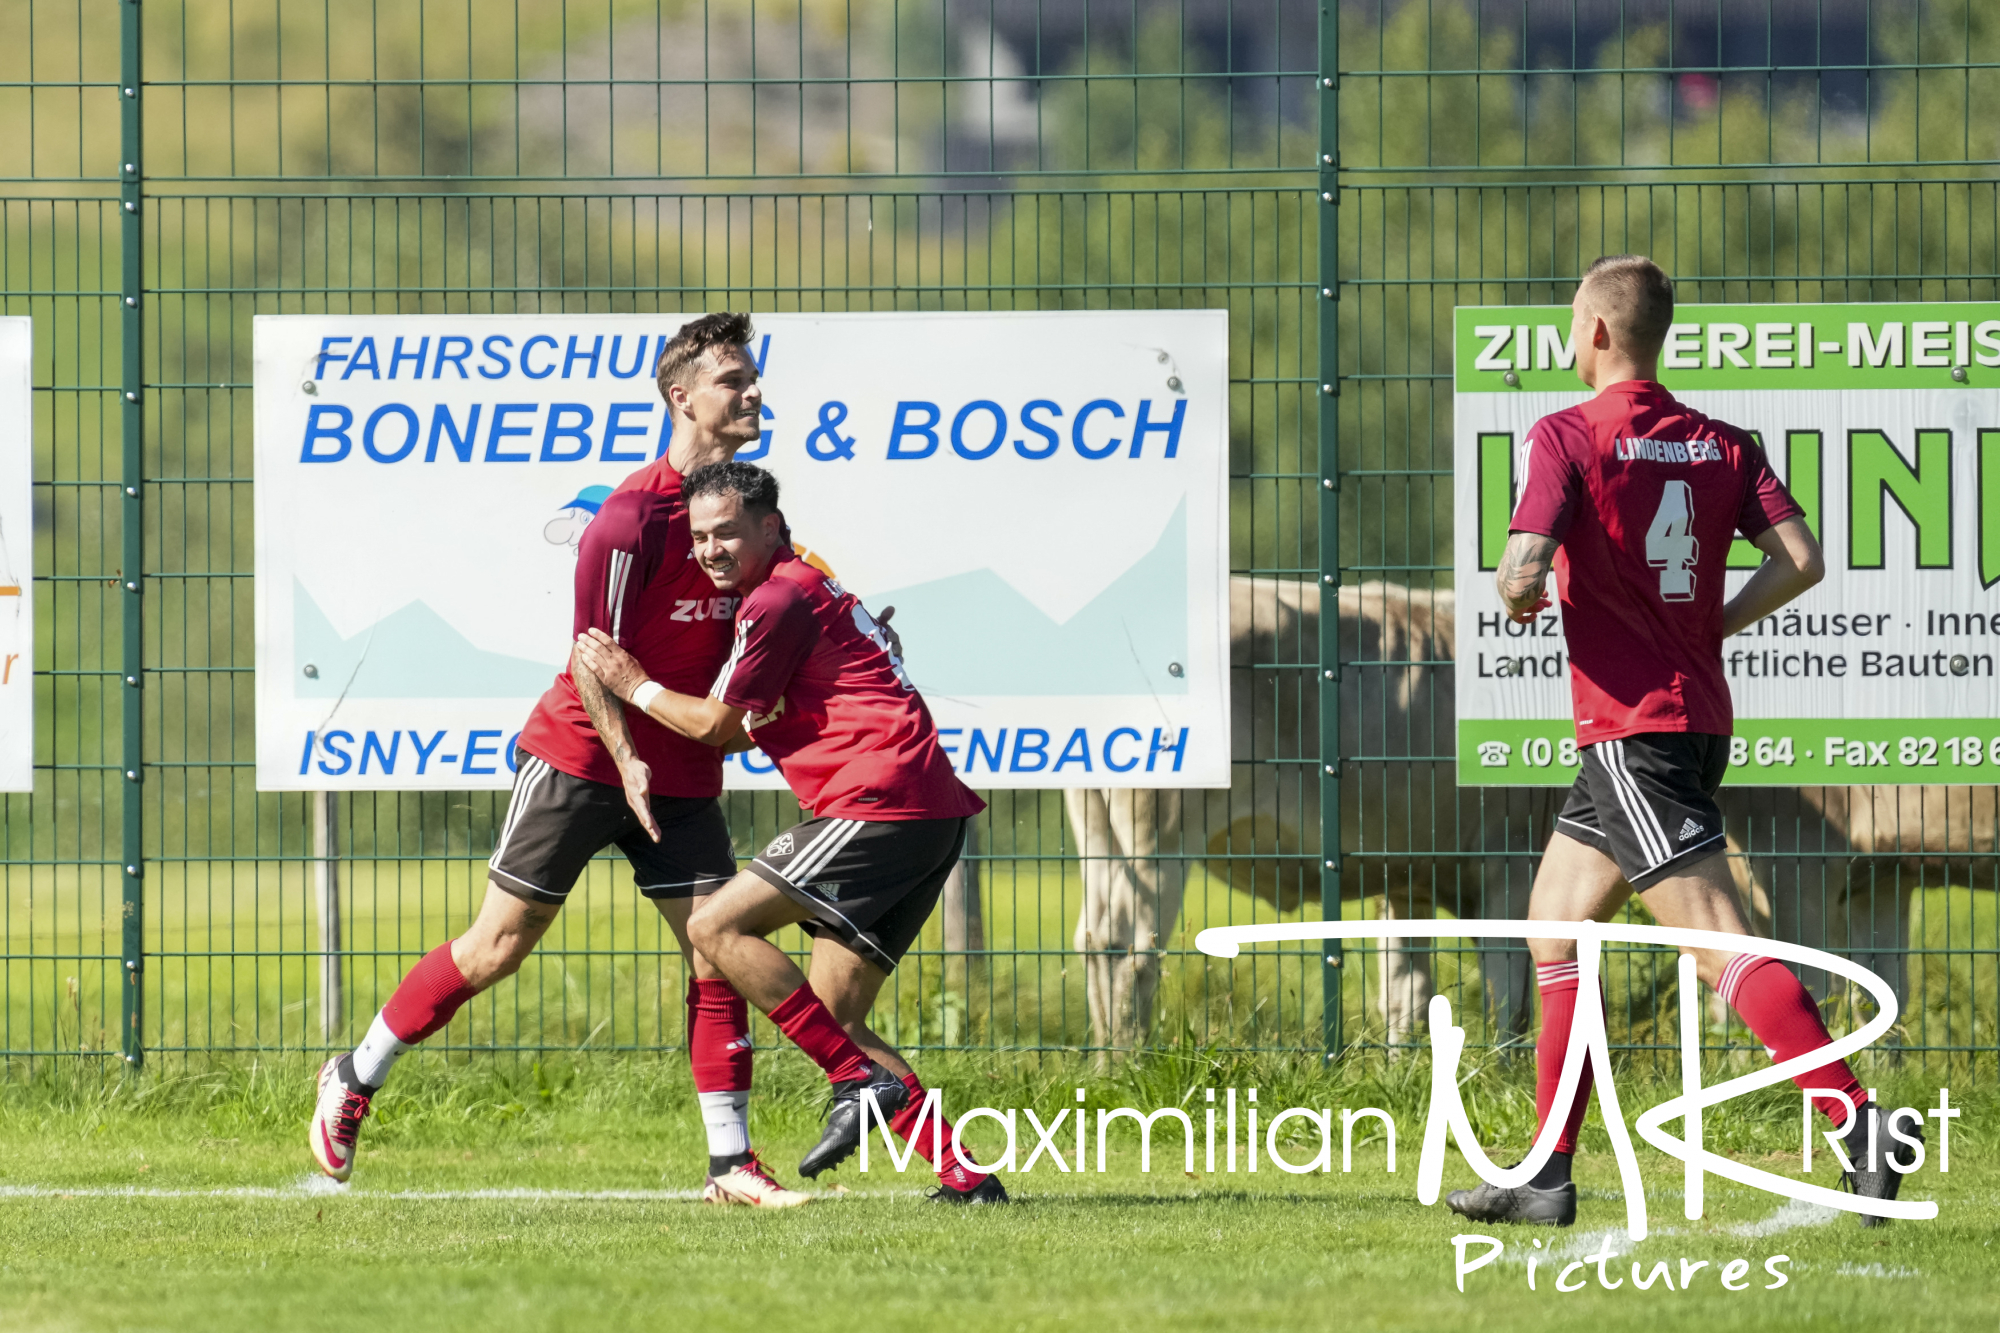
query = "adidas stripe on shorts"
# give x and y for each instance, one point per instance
(556, 822)
(870, 883)
(1648, 802)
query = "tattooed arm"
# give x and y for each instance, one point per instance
(1524, 568)
(608, 716)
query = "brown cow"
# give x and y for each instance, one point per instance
(1409, 835)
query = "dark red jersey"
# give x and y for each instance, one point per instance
(1645, 495)
(831, 706)
(638, 581)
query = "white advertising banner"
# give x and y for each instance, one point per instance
(17, 555)
(1884, 422)
(1041, 496)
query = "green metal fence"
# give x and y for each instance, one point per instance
(1336, 176)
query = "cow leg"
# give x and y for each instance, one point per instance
(964, 929)
(1146, 893)
(1405, 991)
(1090, 821)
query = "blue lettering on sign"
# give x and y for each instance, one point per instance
(326, 744)
(979, 747)
(326, 354)
(1039, 751)
(511, 750)
(496, 358)
(1177, 748)
(442, 425)
(926, 429)
(1076, 750)
(1090, 409)
(530, 346)
(1112, 763)
(1170, 428)
(1052, 440)
(638, 358)
(453, 348)
(572, 356)
(363, 359)
(424, 752)
(613, 427)
(318, 429)
(474, 750)
(371, 747)
(949, 750)
(992, 446)
(753, 761)
(556, 430)
(411, 429)
(397, 356)
(501, 411)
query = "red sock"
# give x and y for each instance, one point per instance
(1782, 1014)
(904, 1122)
(1558, 983)
(814, 1030)
(429, 995)
(718, 1036)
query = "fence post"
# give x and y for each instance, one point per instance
(326, 898)
(132, 575)
(1329, 515)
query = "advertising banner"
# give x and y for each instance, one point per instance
(17, 556)
(1884, 422)
(1041, 496)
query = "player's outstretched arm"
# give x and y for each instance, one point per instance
(1793, 564)
(1524, 570)
(710, 721)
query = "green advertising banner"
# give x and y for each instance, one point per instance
(1884, 421)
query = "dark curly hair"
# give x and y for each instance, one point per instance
(684, 351)
(757, 488)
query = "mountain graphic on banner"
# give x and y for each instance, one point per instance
(974, 634)
(412, 653)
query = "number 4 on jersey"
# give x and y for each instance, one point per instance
(1670, 542)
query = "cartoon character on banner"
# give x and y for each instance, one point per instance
(566, 528)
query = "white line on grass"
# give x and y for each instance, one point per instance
(318, 1187)
(1793, 1213)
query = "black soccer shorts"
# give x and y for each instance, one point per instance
(870, 883)
(1648, 802)
(557, 822)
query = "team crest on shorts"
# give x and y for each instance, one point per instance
(781, 845)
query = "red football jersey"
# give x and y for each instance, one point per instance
(638, 581)
(830, 705)
(1645, 495)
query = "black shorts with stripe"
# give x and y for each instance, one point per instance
(870, 883)
(556, 822)
(1648, 802)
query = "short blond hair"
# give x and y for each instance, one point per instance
(1635, 297)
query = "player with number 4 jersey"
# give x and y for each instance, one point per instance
(1632, 499)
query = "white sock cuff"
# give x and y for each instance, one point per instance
(377, 1054)
(726, 1117)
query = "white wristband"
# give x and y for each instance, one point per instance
(646, 693)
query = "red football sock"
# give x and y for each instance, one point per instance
(1558, 982)
(814, 1030)
(718, 1036)
(904, 1122)
(429, 995)
(1782, 1014)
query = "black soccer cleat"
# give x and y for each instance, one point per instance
(843, 1118)
(989, 1190)
(1523, 1203)
(1880, 1181)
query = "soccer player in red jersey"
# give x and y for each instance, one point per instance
(815, 681)
(587, 778)
(1633, 499)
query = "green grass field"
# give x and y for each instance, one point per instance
(489, 1196)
